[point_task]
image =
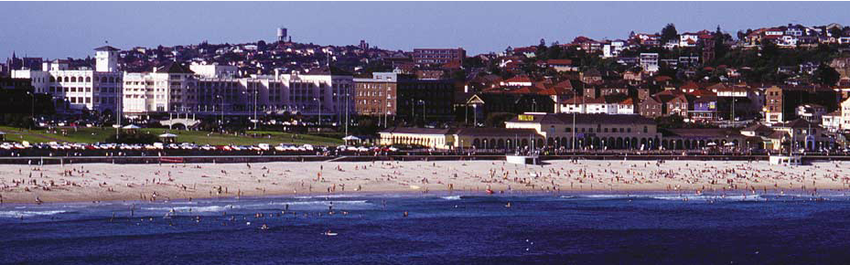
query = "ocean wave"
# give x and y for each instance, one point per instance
(325, 196)
(200, 209)
(326, 203)
(451, 198)
(184, 203)
(669, 197)
(19, 214)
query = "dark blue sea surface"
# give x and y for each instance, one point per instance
(644, 228)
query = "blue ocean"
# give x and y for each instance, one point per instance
(459, 228)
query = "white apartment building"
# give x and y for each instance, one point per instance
(588, 106)
(649, 62)
(199, 89)
(171, 88)
(214, 70)
(82, 89)
(312, 94)
(688, 39)
(626, 107)
(613, 49)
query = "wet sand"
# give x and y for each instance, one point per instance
(153, 182)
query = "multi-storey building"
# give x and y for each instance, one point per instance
(310, 94)
(780, 102)
(391, 95)
(649, 62)
(83, 89)
(596, 131)
(170, 88)
(438, 56)
(376, 96)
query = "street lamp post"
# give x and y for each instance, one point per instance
(424, 115)
(119, 112)
(412, 110)
(255, 107)
(221, 121)
(347, 97)
(32, 107)
(320, 110)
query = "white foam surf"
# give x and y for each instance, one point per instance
(25, 213)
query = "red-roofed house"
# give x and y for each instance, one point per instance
(651, 107)
(626, 106)
(588, 105)
(678, 105)
(515, 81)
(561, 65)
(529, 51)
(688, 39)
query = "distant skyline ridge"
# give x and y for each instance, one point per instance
(72, 29)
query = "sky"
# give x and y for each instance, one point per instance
(72, 29)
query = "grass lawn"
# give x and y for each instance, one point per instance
(92, 135)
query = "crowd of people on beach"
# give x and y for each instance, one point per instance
(97, 182)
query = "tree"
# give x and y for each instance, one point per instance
(835, 32)
(826, 75)
(720, 39)
(498, 119)
(540, 53)
(668, 33)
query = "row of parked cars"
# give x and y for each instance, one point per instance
(157, 146)
(343, 148)
(189, 146)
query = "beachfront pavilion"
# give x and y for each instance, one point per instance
(702, 138)
(425, 137)
(463, 138)
(591, 131)
(798, 134)
(496, 138)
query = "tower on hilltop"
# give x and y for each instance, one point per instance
(281, 34)
(107, 59)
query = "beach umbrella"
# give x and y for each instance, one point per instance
(351, 138)
(711, 144)
(131, 127)
(168, 137)
(730, 144)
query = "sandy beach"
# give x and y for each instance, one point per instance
(154, 182)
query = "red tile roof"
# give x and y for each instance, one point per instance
(559, 62)
(519, 79)
(583, 100)
(689, 85)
